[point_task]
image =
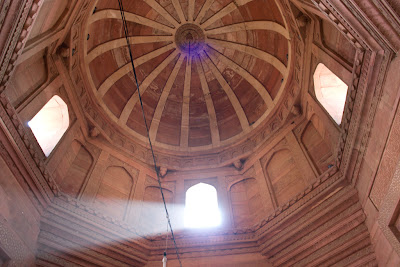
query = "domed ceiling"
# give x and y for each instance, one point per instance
(209, 71)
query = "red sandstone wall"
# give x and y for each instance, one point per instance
(32, 84)
(253, 260)
(19, 218)
(376, 177)
(82, 171)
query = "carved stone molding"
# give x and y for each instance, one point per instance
(30, 152)
(17, 39)
(368, 61)
(90, 227)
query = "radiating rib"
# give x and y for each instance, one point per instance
(210, 106)
(185, 106)
(122, 42)
(115, 14)
(251, 51)
(242, 2)
(262, 91)
(161, 10)
(155, 123)
(143, 87)
(252, 25)
(229, 92)
(178, 8)
(191, 10)
(203, 10)
(223, 12)
(113, 78)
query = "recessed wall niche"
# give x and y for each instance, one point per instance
(152, 216)
(246, 201)
(80, 163)
(113, 195)
(286, 178)
(317, 143)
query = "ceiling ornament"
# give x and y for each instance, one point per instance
(190, 39)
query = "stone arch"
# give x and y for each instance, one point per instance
(81, 162)
(201, 206)
(286, 178)
(246, 203)
(316, 142)
(114, 192)
(152, 217)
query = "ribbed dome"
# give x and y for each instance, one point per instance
(209, 71)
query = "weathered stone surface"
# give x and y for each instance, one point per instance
(229, 99)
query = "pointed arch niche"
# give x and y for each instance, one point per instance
(286, 178)
(317, 143)
(247, 206)
(80, 162)
(114, 193)
(330, 91)
(201, 207)
(50, 124)
(152, 218)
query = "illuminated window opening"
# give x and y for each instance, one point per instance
(330, 91)
(50, 124)
(201, 209)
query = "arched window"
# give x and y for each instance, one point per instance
(50, 123)
(201, 207)
(330, 91)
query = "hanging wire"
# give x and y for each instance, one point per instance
(166, 240)
(125, 26)
(166, 247)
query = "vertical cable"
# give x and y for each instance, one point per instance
(125, 26)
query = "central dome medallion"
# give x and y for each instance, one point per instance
(190, 38)
(211, 73)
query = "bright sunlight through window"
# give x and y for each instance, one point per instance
(330, 91)
(50, 123)
(201, 209)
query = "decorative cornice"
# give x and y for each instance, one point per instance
(377, 96)
(17, 40)
(363, 67)
(352, 35)
(96, 228)
(378, 17)
(29, 151)
(4, 7)
(83, 210)
(69, 245)
(365, 64)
